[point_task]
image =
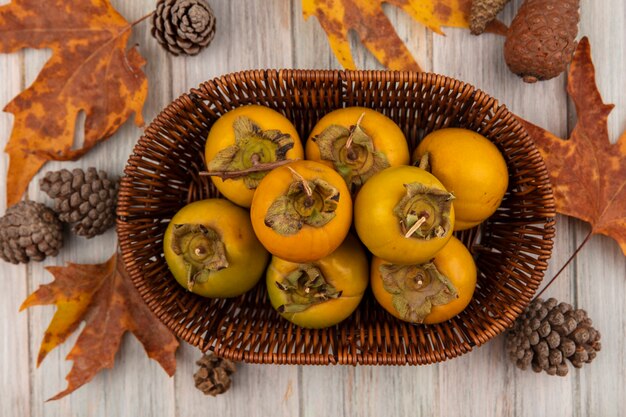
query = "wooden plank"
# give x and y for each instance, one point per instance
(257, 390)
(137, 385)
(255, 36)
(600, 269)
(493, 386)
(322, 389)
(600, 275)
(14, 352)
(480, 383)
(363, 390)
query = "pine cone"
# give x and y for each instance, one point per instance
(484, 12)
(29, 231)
(183, 26)
(86, 200)
(548, 333)
(541, 41)
(213, 377)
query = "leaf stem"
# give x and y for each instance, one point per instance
(571, 258)
(141, 19)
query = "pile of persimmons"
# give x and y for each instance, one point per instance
(355, 169)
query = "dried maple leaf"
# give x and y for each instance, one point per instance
(588, 173)
(103, 296)
(367, 19)
(90, 70)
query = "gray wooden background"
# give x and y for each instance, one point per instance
(273, 34)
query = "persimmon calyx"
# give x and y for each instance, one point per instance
(424, 212)
(352, 153)
(307, 202)
(415, 289)
(202, 250)
(254, 154)
(304, 287)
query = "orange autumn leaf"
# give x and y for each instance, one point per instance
(105, 299)
(366, 18)
(588, 173)
(91, 70)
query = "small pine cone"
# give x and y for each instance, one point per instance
(484, 12)
(213, 377)
(548, 333)
(541, 40)
(29, 231)
(86, 200)
(183, 26)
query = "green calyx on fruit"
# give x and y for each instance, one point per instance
(254, 154)
(416, 289)
(202, 251)
(312, 203)
(352, 153)
(424, 212)
(304, 287)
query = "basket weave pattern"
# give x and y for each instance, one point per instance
(512, 248)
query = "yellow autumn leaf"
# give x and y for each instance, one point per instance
(366, 18)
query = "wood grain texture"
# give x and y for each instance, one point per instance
(137, 385)
(513, 392)
(272, 34)
(600, 270)
(263, 390)
(391, 391)
(15, 363)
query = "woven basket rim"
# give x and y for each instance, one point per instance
(493, 328)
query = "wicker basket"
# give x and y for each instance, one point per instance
(512, 248)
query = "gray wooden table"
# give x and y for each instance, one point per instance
(272, 34)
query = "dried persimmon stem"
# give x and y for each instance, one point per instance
(358, 124)
(257, 167)
(424, 162)
(305, 184)
(416, 226)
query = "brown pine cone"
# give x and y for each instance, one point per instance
(541, 40)
(484, 12)
(29, 231)
(86, 200)
(550, 332)
(213, 377)
(183, 26)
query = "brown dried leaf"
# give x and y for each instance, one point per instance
(367, 19)
(90, 70)
(103, 296)
(588, 173)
